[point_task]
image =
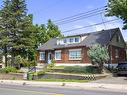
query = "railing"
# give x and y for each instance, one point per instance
(31, 69)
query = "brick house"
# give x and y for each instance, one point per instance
(72, 50)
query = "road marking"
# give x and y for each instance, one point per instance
(29, 91)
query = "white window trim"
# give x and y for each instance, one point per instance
(57, 51)
(41, 57)
(75, 58)
(78, 38)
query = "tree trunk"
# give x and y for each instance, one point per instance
(5, 54)
(101, 67)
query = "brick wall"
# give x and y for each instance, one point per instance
(121, 54)
(65, 56)
(85, 59)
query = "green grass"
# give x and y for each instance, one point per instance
(62, 80)
(78, 69)
(59, 67)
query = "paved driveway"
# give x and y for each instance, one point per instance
(113, 80)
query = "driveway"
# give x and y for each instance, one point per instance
(113, 80)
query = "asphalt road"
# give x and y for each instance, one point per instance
(27, 90)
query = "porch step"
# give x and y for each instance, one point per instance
(40, 67)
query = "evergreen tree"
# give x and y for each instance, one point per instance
(15, 28)
(5, 15)
(18, 35)
(98, 55)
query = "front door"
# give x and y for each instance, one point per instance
(49, 57)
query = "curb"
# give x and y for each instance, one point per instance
(64, 84)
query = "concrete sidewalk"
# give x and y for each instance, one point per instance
(65, 84)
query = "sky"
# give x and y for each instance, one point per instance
(43, 10)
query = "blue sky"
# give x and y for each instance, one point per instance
(58, 9)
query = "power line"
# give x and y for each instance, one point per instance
(81, 14)
(90, 25)
(79, 18)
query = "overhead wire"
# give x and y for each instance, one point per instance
(89, 26)
(80, 16)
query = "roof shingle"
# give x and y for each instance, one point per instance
(102, 37)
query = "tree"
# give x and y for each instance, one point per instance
(46, 32)
(118, 8)
(16, 28)
(98, 55)
(5, 15)
(52, 30)
(18, 34)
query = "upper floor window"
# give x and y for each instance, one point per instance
(117, 38)
(68, 40)
(71, 40)
(76, 39)
(42, 55)
(65, 40)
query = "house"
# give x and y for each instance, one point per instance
(72, 50)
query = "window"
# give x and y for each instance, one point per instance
(65, 40)
(58, 55)
(75, 54)
(76, 40)
(71, 40)
(117, 38)
(116, 53)
(42, 55)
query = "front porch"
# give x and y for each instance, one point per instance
(45, 57)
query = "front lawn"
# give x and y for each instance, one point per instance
(77, 69)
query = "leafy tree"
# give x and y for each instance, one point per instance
(118, 8)
(46, 32)
(98, 55)
(52, 29)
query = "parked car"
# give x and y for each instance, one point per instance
(121, 69)
(0, 65)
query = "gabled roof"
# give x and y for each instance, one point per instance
(102, 37)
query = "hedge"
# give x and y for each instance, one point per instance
(82, 69)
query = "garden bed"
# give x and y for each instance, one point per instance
(70, 76)
(11, 76)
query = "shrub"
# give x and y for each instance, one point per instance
(79, 69)
(8, 69)
(47, 68)
(98, 55)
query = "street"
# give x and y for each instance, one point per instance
(112, 80)
(28, 90)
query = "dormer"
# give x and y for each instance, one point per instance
(70, 40)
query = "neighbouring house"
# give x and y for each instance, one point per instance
(72, 50)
